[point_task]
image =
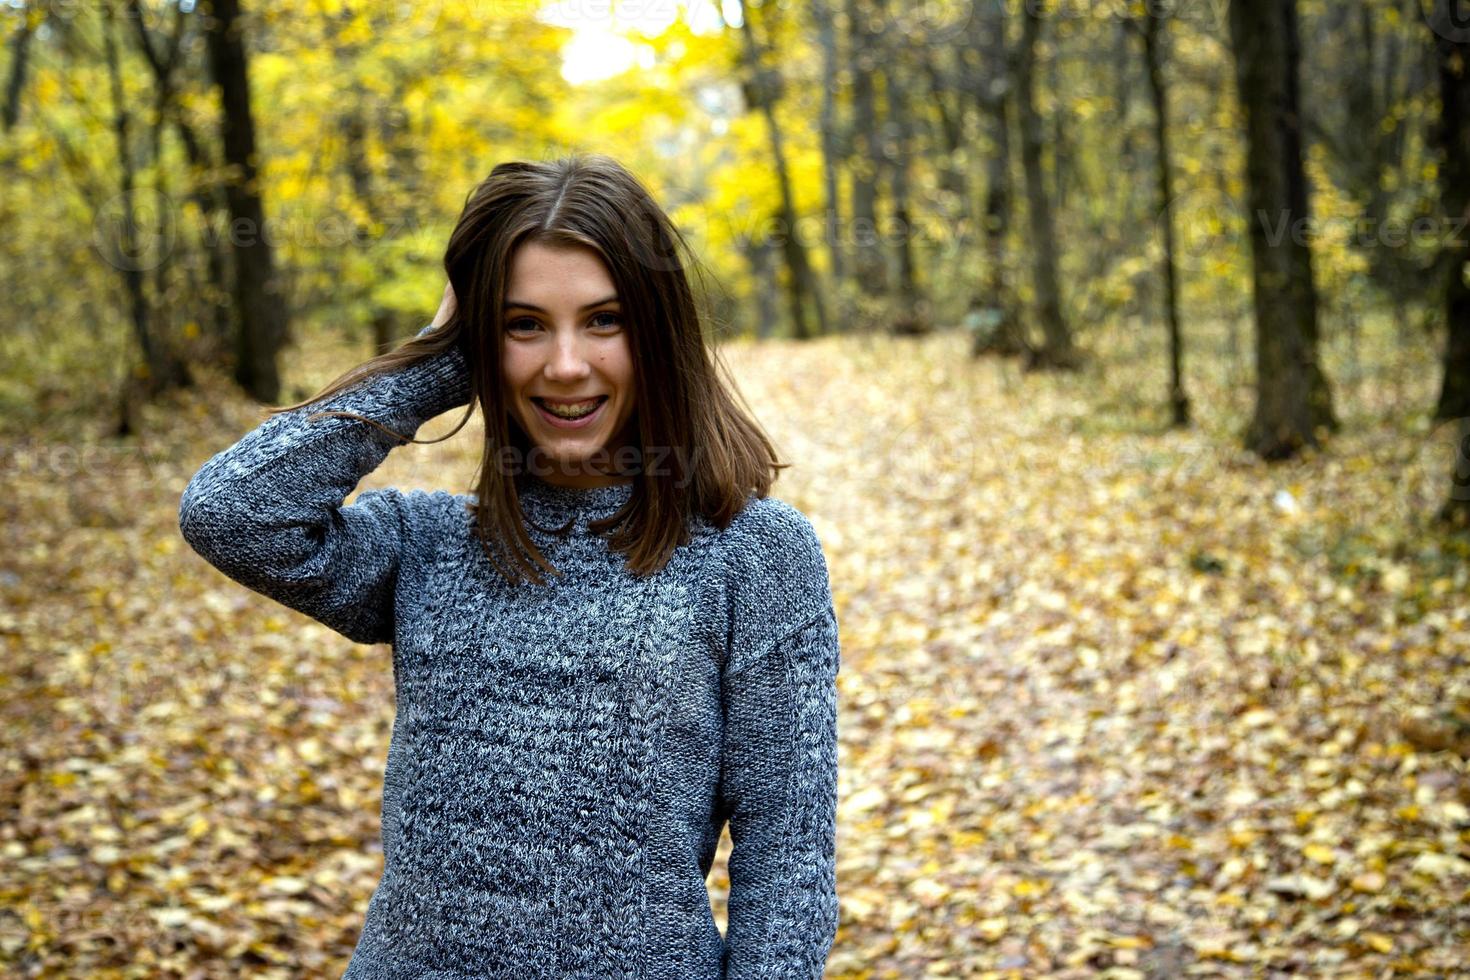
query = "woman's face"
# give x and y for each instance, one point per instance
(565, 347)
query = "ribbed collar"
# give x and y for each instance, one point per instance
(551, 506)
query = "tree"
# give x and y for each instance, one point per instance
(161, 368)
(866, 152)
(1057, 350)
(1293, 400)
(1371, 55)
(20, 51)
(165, 59)
(987, 58)
(824, 18)
(762, 90)
(912, 316)
(1151, 32)
(1453, 47)
(262, 313)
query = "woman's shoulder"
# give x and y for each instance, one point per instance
(768, 529)
(770, 567)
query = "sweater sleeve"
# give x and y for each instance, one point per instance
(268, 511)
(778, 783)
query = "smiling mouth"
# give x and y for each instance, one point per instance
(570, 411)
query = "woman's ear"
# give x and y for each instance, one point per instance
(447, 306)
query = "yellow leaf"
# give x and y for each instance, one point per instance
(1379, 942)
(1369, 882)
(286, 884)
(1129, 942)
(1320, 853)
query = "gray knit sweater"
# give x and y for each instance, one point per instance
(563, 756)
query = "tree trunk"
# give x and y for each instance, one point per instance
(801, 285)
(955, 204)
(1153, 28)
(867, 152)
(1319, 395)
(262, 313)
(203, 190)
(1057, 350)
(1003, 334)
(1291, 395)
(1454, 195)
(353, 126)
(761, 255)
(20, 49)
(1058, 119)
(831, 150)
(912, 315)
(160, 368)
(1453, 48)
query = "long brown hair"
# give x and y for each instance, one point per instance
(708, 451)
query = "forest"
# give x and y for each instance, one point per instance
(1121, 349)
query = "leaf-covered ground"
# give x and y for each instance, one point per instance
(1113, 702)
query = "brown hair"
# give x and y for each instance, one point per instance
(708, 451)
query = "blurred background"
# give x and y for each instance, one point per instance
(1122, 350)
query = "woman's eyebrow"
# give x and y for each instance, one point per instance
(516, 304)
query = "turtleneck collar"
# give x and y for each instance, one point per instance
(551, 506)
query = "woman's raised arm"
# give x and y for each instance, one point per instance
(268, 511)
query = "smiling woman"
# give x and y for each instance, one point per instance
(564, 753)
(568, 368)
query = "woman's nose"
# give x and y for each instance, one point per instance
(568, 361)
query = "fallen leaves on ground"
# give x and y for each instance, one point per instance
(1114, 702)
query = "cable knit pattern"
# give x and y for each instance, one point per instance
(563, 756)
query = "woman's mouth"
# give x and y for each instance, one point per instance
(570, 415)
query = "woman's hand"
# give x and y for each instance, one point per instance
(446, 308)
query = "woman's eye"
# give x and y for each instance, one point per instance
(524, 323)
(605, 320)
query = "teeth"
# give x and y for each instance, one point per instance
(574, 411)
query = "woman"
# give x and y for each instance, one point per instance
(567, 746)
